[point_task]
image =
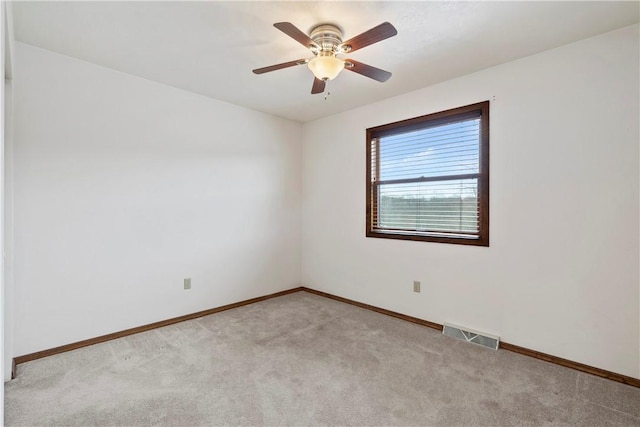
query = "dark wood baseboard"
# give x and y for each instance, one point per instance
(377, 309)
(503, 345)
(635, 382)
(571, 364)
(84, 343)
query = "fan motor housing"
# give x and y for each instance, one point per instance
(328, 37)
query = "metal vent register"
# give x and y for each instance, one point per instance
(469, 335)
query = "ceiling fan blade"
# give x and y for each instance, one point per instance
(292, 31)
(318, 86)
(367, 70)
(374, 35)
(280, 66)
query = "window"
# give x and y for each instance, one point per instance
(428, 177)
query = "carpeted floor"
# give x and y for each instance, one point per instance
(302, 359)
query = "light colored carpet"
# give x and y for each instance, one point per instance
(302, 359)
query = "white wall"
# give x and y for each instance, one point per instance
(7, 190)
(2, 139)
(123, 187)
(6, 132)
(562, 273)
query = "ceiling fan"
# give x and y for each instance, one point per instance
(325, 42)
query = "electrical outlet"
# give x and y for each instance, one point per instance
(187, 283)
(416, 286)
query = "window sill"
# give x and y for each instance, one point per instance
(456, 239)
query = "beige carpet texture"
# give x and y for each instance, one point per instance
(305, 360)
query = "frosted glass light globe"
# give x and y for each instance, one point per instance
(326, 67)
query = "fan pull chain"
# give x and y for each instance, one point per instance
(327, 91)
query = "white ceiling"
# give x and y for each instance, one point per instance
(210, 47)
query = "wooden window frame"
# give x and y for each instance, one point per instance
(435, 119)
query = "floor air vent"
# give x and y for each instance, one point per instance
(469, 335)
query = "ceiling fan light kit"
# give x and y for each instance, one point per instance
(326, 67)
(325, 43)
